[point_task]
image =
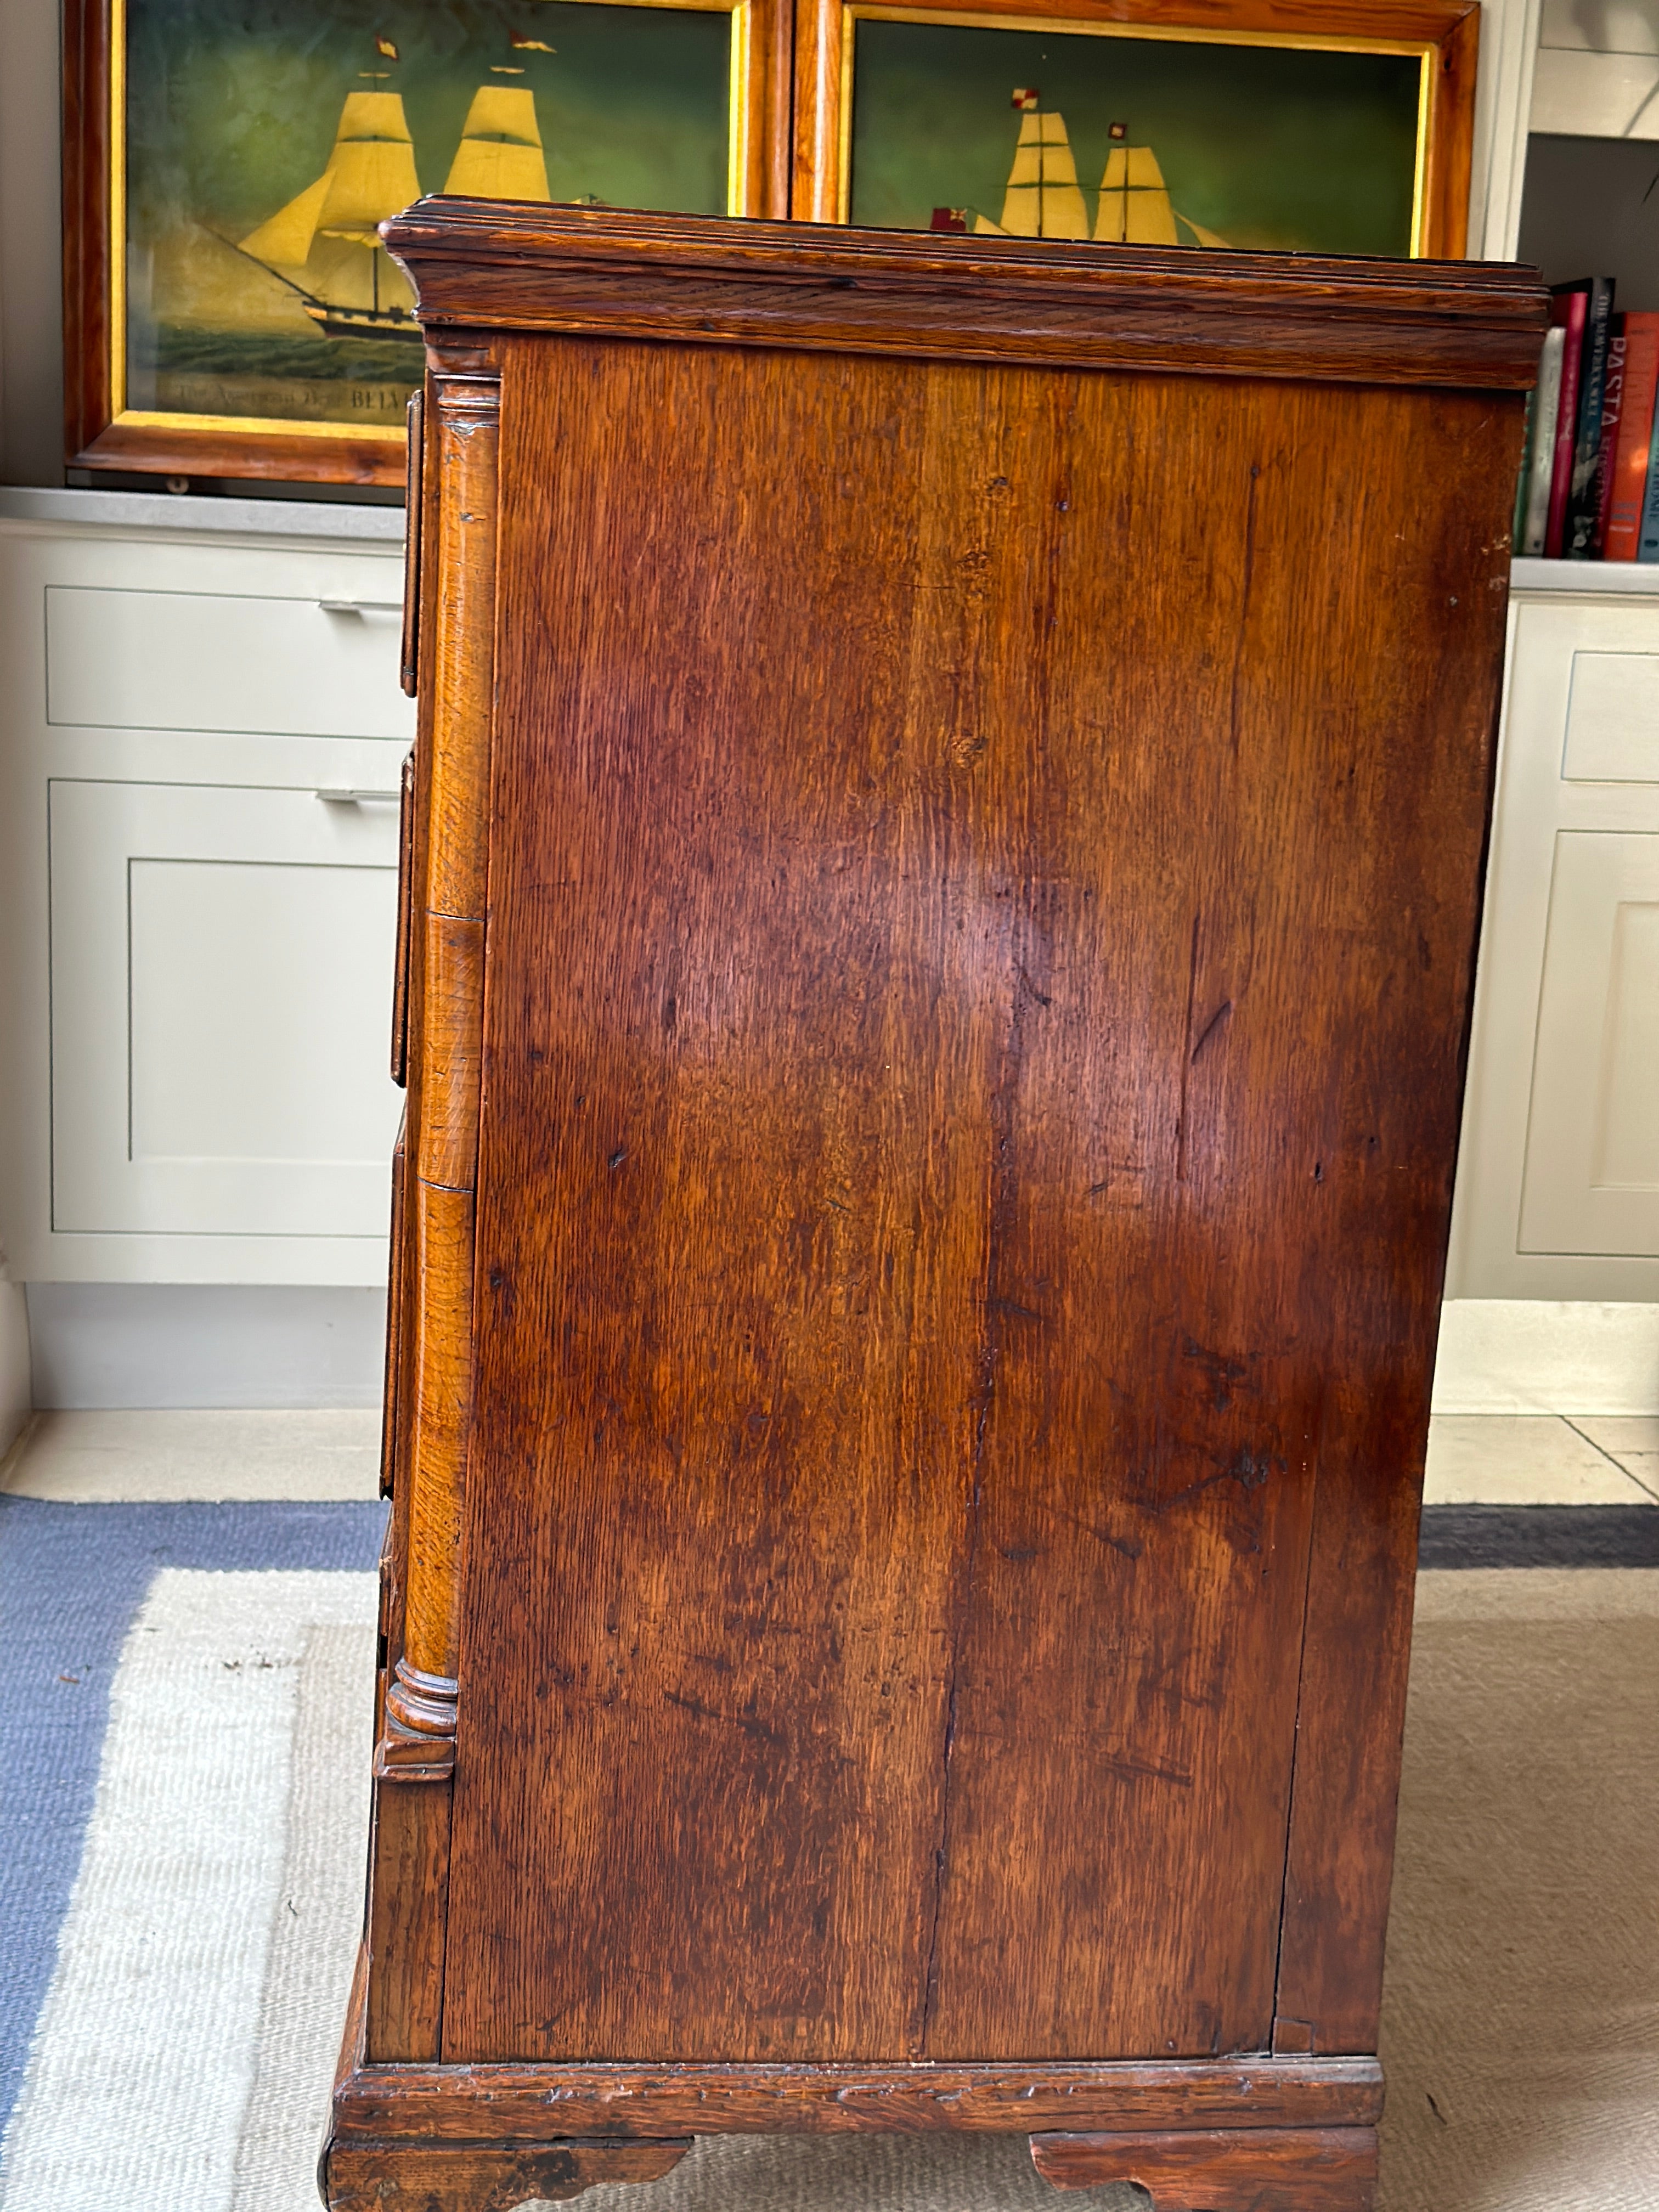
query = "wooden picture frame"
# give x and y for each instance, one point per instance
(1443, 34)
(103, 432)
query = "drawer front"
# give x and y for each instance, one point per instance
(1613, 719)
(220, 997)
(197, 660)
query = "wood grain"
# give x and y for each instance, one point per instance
(462, 522)
(822, 27)
(394, 1317)
(948, 867)
(409, 1880)
(441, 1251)
(874, 1137)
(86, 173)
(415, 462)
(483, 2177)
(175, 449)
(405, 924)
(528, 2102)
(1455, 325)
(1324, 2170)
(459, 521)
(454, 998)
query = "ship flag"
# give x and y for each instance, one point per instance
(1025, 99)
(384, 47)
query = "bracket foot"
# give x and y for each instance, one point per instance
(1222, 2169)
(428, 2176)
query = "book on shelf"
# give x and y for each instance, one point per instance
(1582, 495)
(1627, 474)
(1600, 494)
(1538, 468)
(1589, 472)
(1569, 308)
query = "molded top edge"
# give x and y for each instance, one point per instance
(485, 263)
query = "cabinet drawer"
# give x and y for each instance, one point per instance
(221, 999)
(1613, 719)
(199, 661)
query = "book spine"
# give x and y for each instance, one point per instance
(1628, 481)
(1569, 310)
(1649, 548)
(1586, 435)
(1613, 406)
(1545, 414)
(1523, 480)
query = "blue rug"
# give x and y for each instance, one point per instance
(72, 1579)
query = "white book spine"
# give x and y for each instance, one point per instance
(1546, 408)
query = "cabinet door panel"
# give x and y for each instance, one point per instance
(200, 660)
(1613, 719)
(221, 973)
(1592, 1171)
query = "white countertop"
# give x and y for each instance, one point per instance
(1621, 579)
(341, 521)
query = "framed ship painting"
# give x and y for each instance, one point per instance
(229, 309)
(1336, 126)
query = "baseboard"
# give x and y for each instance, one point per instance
(205, 1344)
(1537, 1356)
(270, 1345)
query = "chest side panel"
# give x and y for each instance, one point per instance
(978, 925)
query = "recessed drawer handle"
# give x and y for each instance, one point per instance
(363, 608)
(338, 794)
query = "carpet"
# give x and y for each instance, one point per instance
(181, 1866)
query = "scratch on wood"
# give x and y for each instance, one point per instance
(748, 1726)
(1187, 1056)
(1213, 1025)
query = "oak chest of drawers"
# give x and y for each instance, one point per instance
(942, 882)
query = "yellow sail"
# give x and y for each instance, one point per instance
(1042, 199)
(1134, 208)
(503, 111)
(285, 237)
(370, 178)
(370, 175)
(1205, 237)
(499, 156)
(373, 115)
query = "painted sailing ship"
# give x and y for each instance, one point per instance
(325, 245)
(1043, 198)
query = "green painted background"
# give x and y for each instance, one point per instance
(1278, 149)
(232, 110)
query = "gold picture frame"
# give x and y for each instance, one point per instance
(1439, 40)
(355, 432)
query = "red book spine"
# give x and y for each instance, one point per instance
(1570, 309)
(1627, 478)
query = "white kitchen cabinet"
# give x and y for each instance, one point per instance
(220, 1014)
(201, 733)
(1557, 1194)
